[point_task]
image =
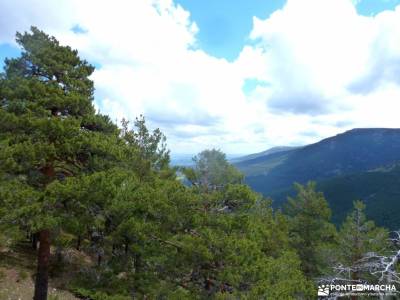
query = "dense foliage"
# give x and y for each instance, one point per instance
(73, 181)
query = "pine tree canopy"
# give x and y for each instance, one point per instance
(50, 130)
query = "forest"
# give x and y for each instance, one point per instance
(98, 205)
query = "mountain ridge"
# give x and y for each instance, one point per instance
(337, 160)
(269, 151)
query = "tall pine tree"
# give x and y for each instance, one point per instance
(359, 236)
(310, 228)
(49, 132)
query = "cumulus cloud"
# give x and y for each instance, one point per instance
(313, 50)
(315, 67)
(19, 15)
(383, 63)
(318, 52)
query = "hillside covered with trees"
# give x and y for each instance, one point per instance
(357, 164)
(98, 204)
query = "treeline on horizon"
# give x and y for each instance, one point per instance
(74, 182)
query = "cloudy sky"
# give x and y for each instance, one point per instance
(241, 76)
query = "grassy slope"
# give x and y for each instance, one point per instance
(263, 165)
(262, 154)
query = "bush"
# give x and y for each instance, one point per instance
(81, 292)
(22, 275)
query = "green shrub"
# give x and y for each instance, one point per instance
(23, 275)
(81, 292)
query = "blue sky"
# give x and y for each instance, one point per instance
(7, 51)
(225, 25)
(242, 76)
(372, 7)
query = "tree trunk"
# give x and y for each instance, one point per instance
(34, 240)
(354, 275)
(126, 248)
(78, 243)
(42, 275)
(99, 259)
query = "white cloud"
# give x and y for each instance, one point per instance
(325, 61)
(324, 69)
(314, 49)
(19, 15)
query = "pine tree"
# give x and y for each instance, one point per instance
(212, 171)
(240, 247)
(49, 132)
(358, 237)
(310, 228)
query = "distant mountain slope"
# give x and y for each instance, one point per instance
(379, 189)
(186, 160)
(262, 154)
(262, 165)
(350, 152)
